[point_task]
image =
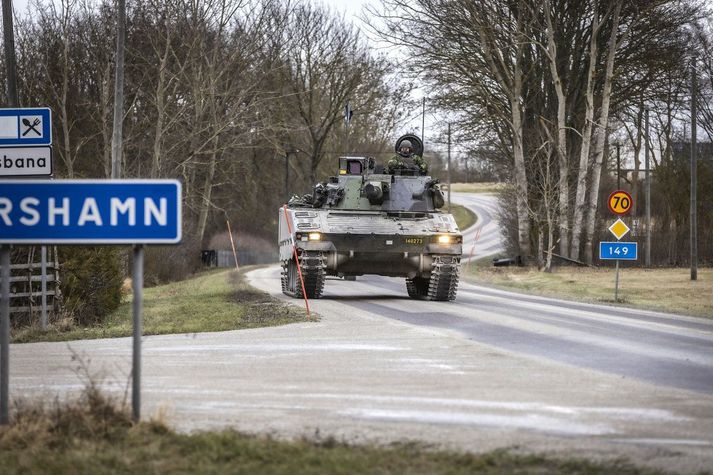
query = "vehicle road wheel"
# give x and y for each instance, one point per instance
(312, 272)
(417, 287)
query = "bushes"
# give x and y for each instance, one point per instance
(164, 264)
(91, 282)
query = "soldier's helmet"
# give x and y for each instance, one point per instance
(406, 148)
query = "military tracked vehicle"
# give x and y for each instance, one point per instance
(369, 221)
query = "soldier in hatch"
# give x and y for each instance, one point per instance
(406, 159)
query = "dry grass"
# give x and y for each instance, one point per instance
(668, 290)
(95, 435)
(478, 187)
(211, 301)
(464, 217)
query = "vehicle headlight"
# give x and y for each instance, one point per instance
(315, 236)
(444, 239)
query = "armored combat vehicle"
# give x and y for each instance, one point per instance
(369, 221)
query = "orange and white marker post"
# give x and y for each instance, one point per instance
(472, 249)
(297, 261)
(232, 244)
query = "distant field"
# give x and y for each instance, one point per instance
(211, 301)
(464, 217)
(478, 187)
(668, 290)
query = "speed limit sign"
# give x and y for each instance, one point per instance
(620, 202)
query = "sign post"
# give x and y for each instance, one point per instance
(25, 151)
(137, 284)
(4, 334)
(619, 203)
(93, 212)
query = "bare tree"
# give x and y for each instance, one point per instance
(601, 132)
(475, 54)
(326, 66)
(561, 148)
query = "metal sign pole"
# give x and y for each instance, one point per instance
(616, 282)
(138, 287)
(5, 335)
(43, 319)
(13, 101)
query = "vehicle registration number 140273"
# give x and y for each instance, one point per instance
(414, 240)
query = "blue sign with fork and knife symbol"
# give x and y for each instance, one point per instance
(27, 126)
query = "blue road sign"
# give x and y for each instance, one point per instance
(90, 211)
(31, 126)
(625, 251)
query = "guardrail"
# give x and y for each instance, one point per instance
(225, 258)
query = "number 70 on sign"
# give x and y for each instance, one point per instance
(625, 251)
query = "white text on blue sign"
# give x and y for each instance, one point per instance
(626, 251)
(90, 211)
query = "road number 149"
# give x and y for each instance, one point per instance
(619, 251)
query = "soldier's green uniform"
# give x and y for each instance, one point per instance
(411, 162)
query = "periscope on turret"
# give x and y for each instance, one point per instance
(366, 220)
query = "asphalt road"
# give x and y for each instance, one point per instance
(492, 369)
(483, 238)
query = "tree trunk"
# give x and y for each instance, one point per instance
(117, 135)
(106, 125)
(563, 183)
(637, 159)
(523, 209)
(579, 202)
(68, 159)
(550, 243)
(523, 217)
(601, 138)
(206, 197)
(160, 113)
(540, 250)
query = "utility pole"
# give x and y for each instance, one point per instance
(618, 166)
(117, 134)
(694, 172)
(287, 176)
(10, 62)
(347, 119)
(14, 102)
(449, 167)
(423, 123)
(647, 165)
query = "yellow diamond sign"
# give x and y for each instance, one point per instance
(619, 229)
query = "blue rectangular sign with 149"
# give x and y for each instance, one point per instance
(625, 251)
(90, 212)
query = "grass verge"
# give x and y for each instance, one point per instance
(668, 290)
(95, 435)
(212, 301)
(487, 187)
(464, 217)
